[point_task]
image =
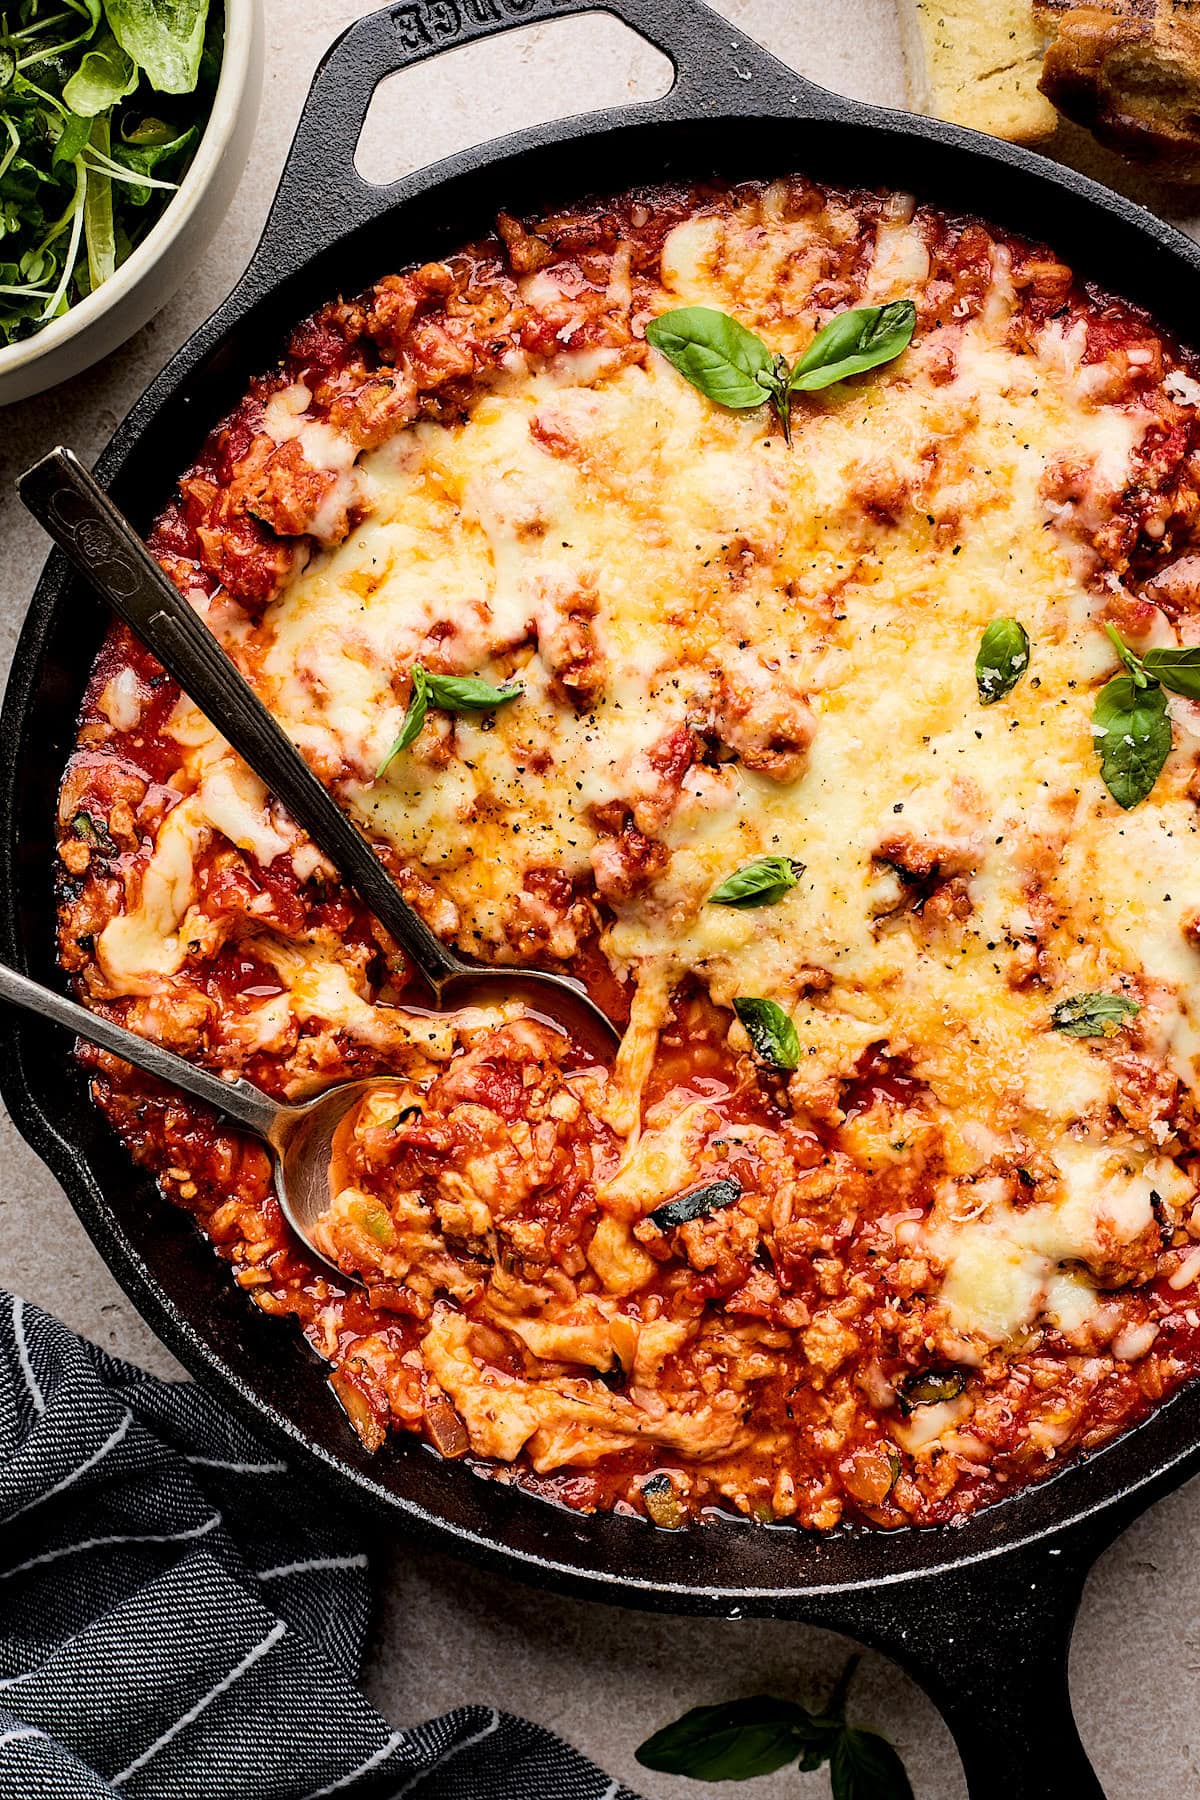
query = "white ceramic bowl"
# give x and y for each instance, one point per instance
(144, 284)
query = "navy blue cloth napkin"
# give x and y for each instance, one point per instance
(173, 1626)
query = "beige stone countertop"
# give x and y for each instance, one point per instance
(602, 1678)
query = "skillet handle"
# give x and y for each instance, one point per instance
(321, 194)
(989, 1642)
(999, 1678)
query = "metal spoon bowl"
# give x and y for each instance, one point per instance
(299, 1138)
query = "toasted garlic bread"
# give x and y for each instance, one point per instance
(978, 63)
(1129, 70)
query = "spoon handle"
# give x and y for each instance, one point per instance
(240, 1099)
(103, 546)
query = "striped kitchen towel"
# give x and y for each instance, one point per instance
(175, 1626)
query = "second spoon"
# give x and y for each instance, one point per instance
(300, 1138)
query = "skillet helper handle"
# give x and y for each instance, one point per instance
(320, 191)
(104, 548)
(990, 1642)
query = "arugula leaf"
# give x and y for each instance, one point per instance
(1002, 659)
(735, 1740)
(98, 227)
(854, 341)
(864, 1766)
(1133, 735)
(695, 1205)
(773, 1037)
(76, 129)
(72, 83)
(453, 693)
(723, 359)
(466, 693)
(147, 132)
(141, 157)
(1178, 668)
(759, 883)
(165, 38)
(1093, 1015)
(104, 76)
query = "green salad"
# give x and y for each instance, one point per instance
(102, 105)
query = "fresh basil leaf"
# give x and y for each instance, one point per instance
(854, 341)
(104, 76)
(1133, 662)
(1178, 668)
(930, 1387)
(835, 1706)
(1133, 735)
(374, 1220)
(466, 693)
(453, 693)
(736, 1740)
(1002, 659)
(414, 718)
(759, 883)
(165, 38)
(1093, 1015)
(772, 1035)
(695, 1205)
(717, 355)
(864, 1766)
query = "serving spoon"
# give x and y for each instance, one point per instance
(299, 1138)
(106, 550)
(103, 546)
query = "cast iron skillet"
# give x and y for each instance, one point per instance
(981, 1615)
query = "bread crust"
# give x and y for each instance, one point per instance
(1126, 70)
(1129, 70)
(978, 63)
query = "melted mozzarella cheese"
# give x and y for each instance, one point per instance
(146, 943)
(326, 450)
(1005, 1263)
(837, 589)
